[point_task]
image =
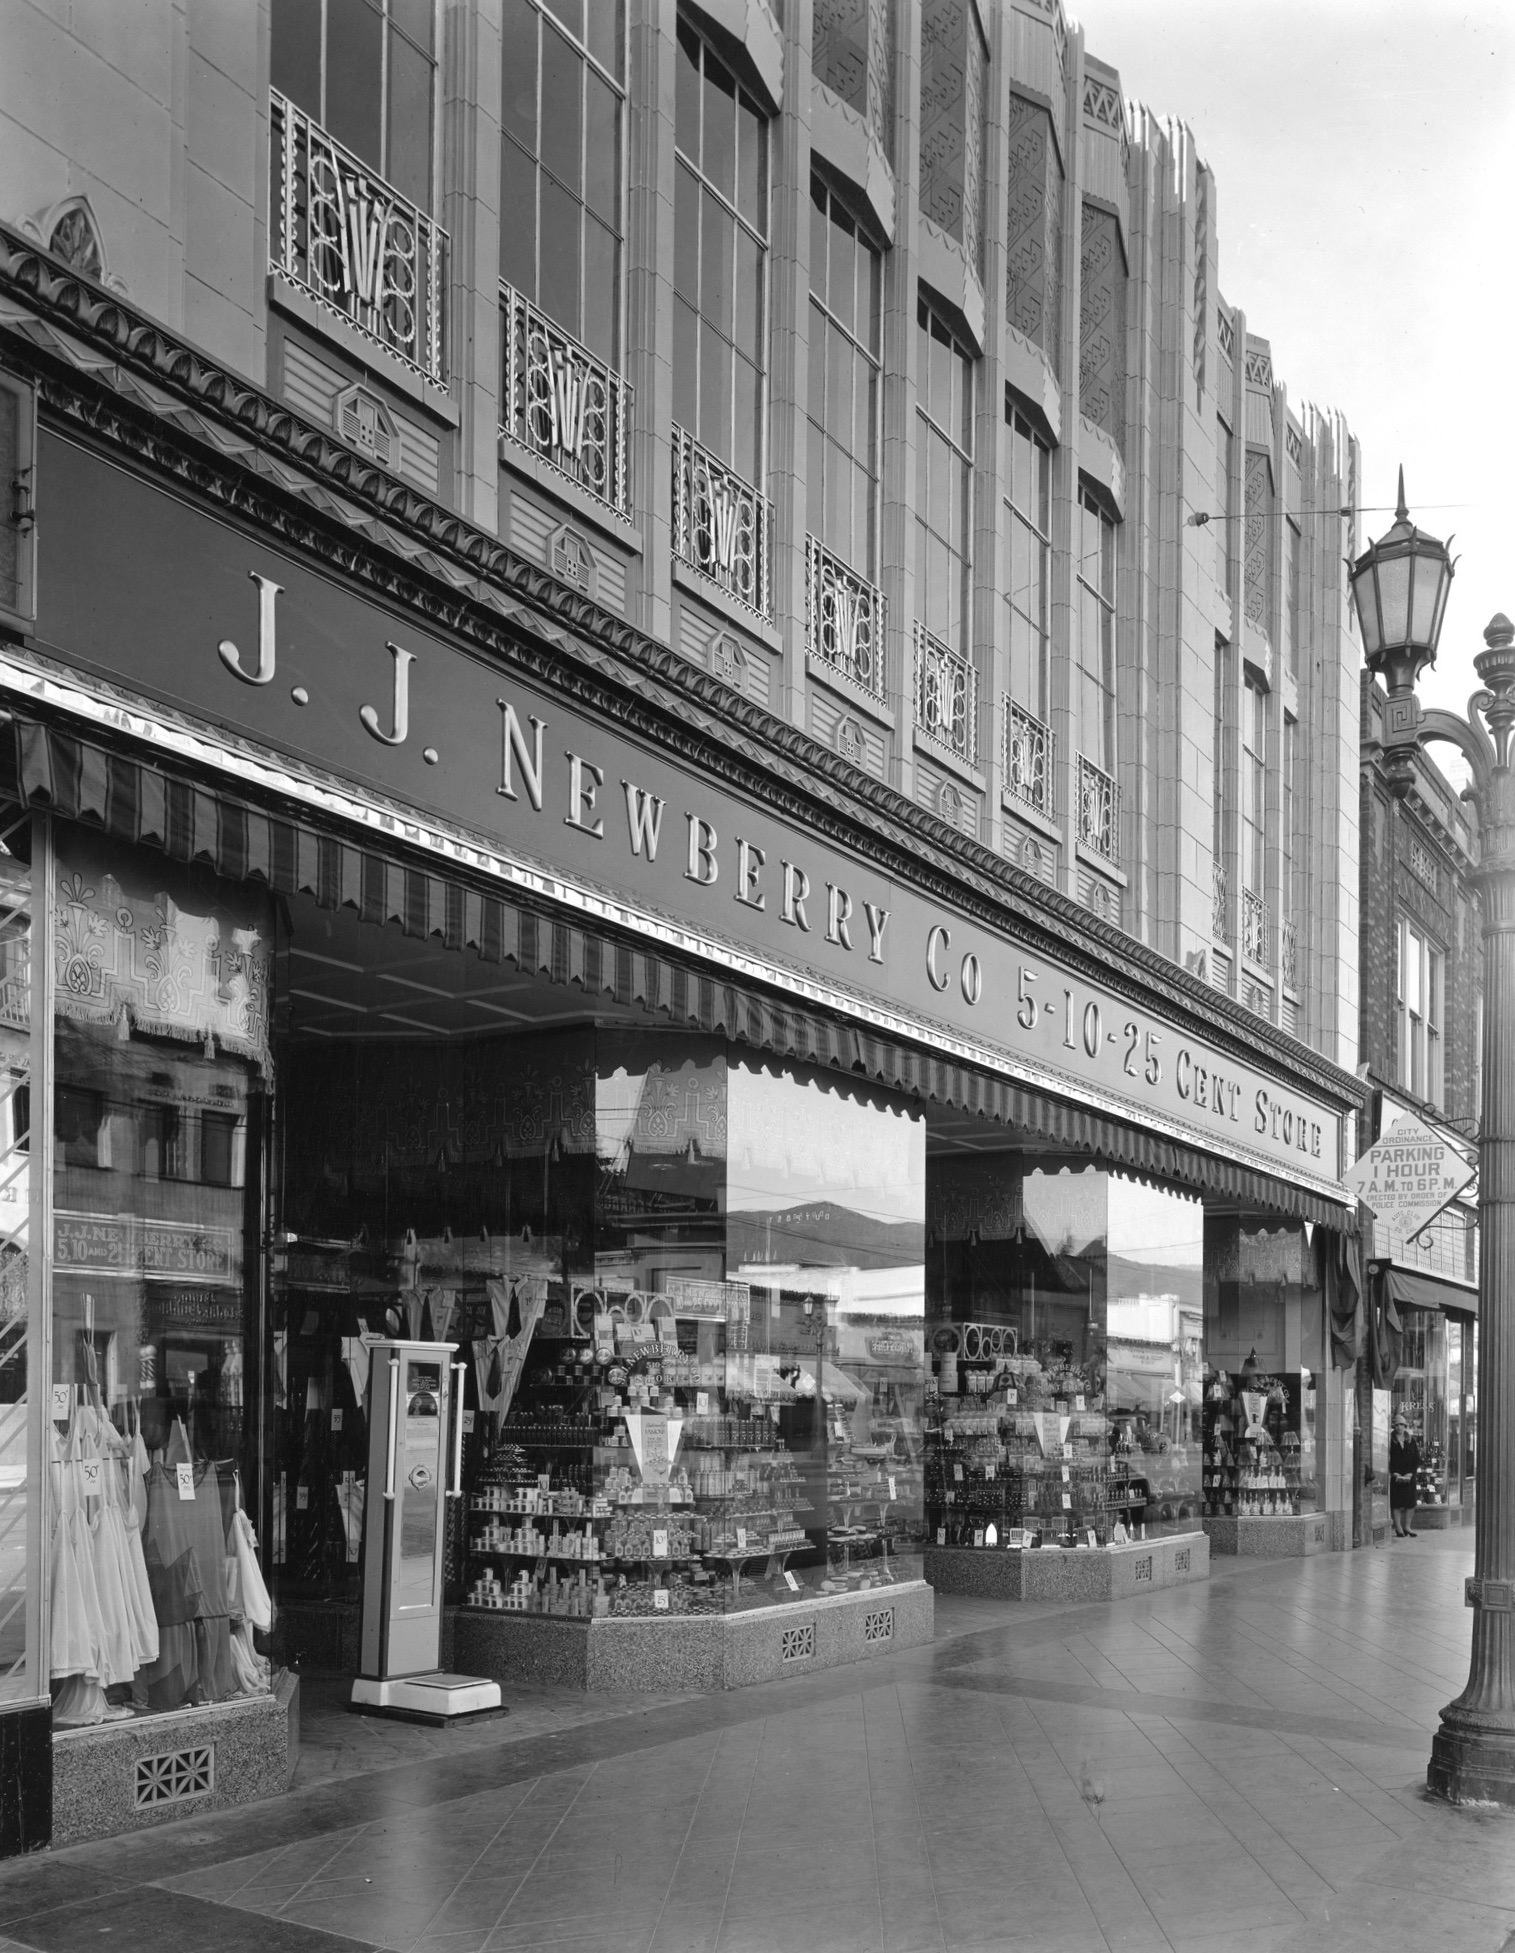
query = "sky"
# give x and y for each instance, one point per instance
(1364, 157)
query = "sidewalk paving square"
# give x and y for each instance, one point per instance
(1236, 1766)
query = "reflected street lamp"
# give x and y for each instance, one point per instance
(1399, 586)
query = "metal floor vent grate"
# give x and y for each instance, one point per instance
(795, 1643)
(879, 1626)
(176, 1775)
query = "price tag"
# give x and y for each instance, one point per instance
(790, 1581)
(660, 1545)
(90, 1483)
(660, 1600)
(741, 1539)
(978, 1535)
(1012, 1396)
(1067, 1502)
(989, 1470)
(302, 1496)
(184, 1476)
(892, 1493)
(468, 1418)
(63, 1402)
(336, 1420)
(1078, 1403)
(957, 1474)
(1066, 1477)
(941, 1535)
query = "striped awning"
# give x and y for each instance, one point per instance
(45, 766)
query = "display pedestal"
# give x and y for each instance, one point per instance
(124, 1776)
(1436, 1518)
(657, 1652)
(438, 1699)
(1281, 1537)
(1060, 1574)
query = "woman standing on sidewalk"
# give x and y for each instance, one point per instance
(1404, 1467)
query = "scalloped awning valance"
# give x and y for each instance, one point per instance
(44, 766)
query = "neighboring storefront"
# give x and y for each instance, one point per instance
(819, 1215)
(1426, 1299)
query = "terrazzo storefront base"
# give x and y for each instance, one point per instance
(1070, 1574)
(1281, 1537)
(127, 1776)
(704, 1652)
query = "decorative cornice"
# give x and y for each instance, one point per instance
(109, 370)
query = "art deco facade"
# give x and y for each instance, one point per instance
(816, 436)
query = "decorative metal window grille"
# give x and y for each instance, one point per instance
(879, 1626)
(1220, 898)
(1098, 809)
(562, 403)
(1030, 749)
(1144, 1568)
(176, 1775)
(720, 524)
(844, 619)
(1254, 927)
(354, 244)
(1181, 1560)
(797, 1643)
(946, 696)
(1288, 955)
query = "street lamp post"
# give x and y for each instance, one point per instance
(1400, 585)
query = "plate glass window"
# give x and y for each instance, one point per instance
(846, 276)
(366, 71)
(720, 259)
(562, 118)
(1026, 519)
(1095, 618)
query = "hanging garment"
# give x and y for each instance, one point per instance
(254, 1604)
(252, 1670)
(120, 1653)
(350, 1496)
(74, 1650)
(185, 1555)
(124, 1484)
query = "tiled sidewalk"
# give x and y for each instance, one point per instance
(1236, 1765)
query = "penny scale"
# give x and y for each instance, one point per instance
(415, 1458)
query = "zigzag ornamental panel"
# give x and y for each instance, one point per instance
(1260, 368)
(1104, 109)
(1259, 532)
(1201, 274)
(881, 75)
(945, 115)
(1102, 325)
(839, 49)
(1033, 225)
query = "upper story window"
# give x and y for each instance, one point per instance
(720, 258)
(1094, 663)
(560, 164)
(1030, 553)
(365, 70)
(1218, 756)
(1254, 785)
(846, 278)
(943, 477)
(1421, 970)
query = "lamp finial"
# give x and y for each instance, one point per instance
(1402, 513)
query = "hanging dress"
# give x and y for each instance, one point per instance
(122, 1480)
(119, 1649)
(185, 1553)
(78, 1695)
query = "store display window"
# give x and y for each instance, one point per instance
(1264, 1357)
(1064, 1314)
(1422, 1392)
(161, 1063)
(686, 1281)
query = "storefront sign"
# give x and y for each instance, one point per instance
(1409, 1176)
(182, 606)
